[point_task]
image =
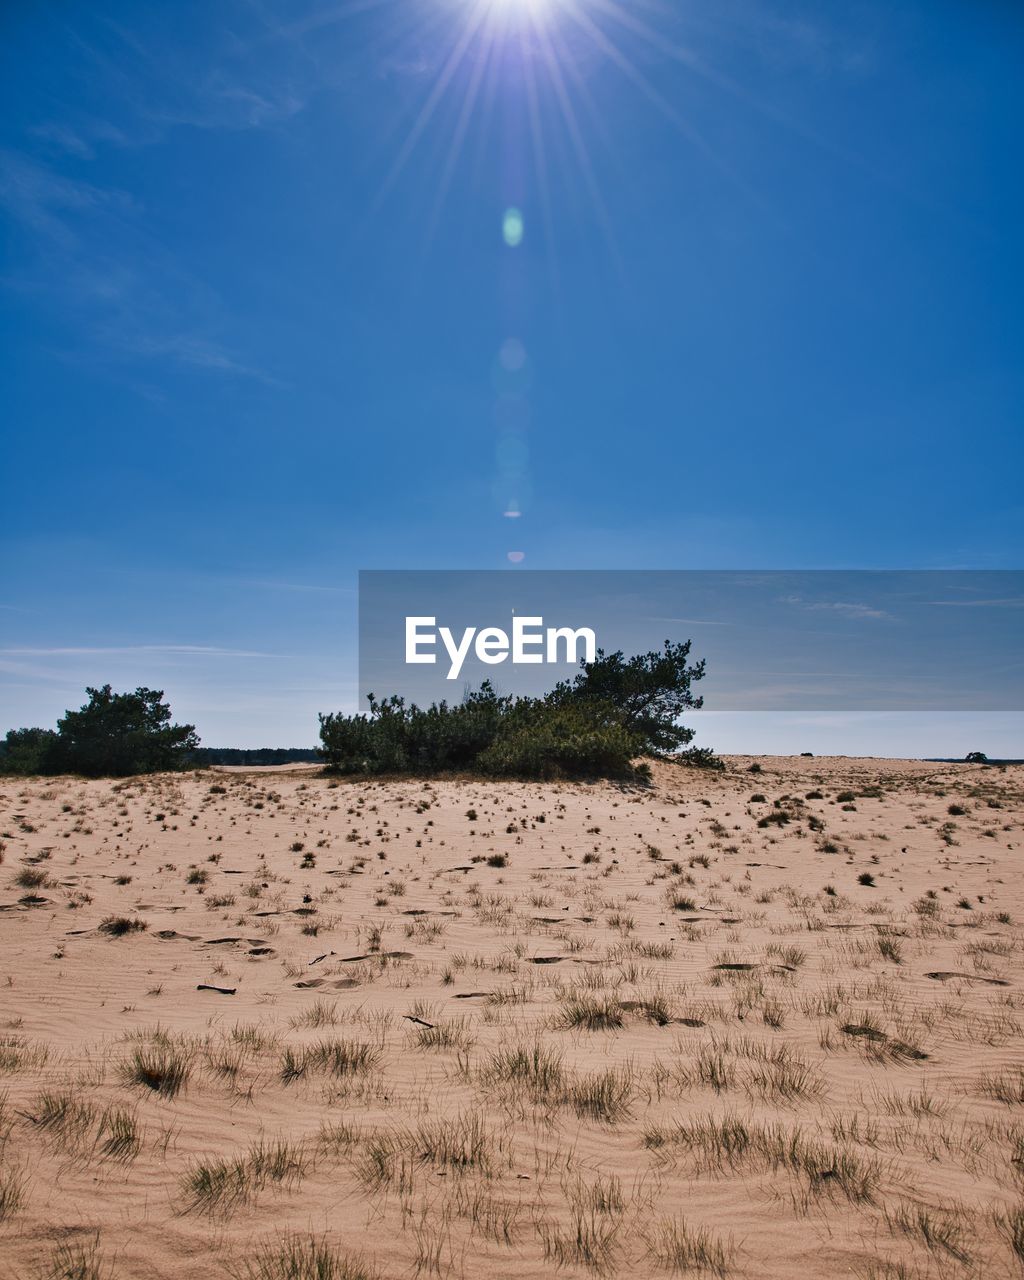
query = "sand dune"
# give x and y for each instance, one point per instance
(762, 1024)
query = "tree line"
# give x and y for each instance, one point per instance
(605, 722)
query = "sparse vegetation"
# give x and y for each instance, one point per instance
(297, 1257)
(647, 1007)
(160, 1066)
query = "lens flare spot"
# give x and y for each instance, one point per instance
(512, 228)
(512, 413)
(512, 355)
(516, 557)
(512, 514)
(513, 454)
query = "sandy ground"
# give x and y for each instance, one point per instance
(761, 1024)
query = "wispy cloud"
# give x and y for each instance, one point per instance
(170, 650)
(45, 202)
(692, 622)
(845, 608)
(130, 297)
(224, 104)
(314, 587)
(81, 139)
(199, 352)
(1004, 602)
(97, 258)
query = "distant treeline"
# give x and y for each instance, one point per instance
(972, 757)
(205, 756)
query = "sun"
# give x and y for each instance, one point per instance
(530, 12)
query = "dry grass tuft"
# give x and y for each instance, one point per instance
(78, 1260)
(162, 1067)
(298, 1257)
(330, 1057)
(729, 1142)
(118, 926)
(218, 1186)
(587, 1012)
(681, 1248)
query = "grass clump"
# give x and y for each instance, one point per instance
(64, 1117)
(162, 1067)
(681, 1248)
(1010, 1225)
(454, 1033)
(390, 1160)
(590, 1239)
(460, 1144)
(943, 1231)
(12, 1190)
(213, 1186)
(77, 1260)
(1006, 1086)
(602, 1095)
(117, 1134)
(329, 1057)
(583, 1011)
(715, 1143)
(19, 1054)
(31, 878)
(118, 926)
(531, 1069)
(679, 901)
(298, 1257)
(321, 1013)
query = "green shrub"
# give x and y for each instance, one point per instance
(113, 734)
(28, 751)
(596, 725)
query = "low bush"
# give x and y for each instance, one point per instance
(616, 711)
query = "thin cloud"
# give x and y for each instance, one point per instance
(44, 201)
(313, 587)
(129, 295)
(846, 608)
(88, 651)
(1002, 602)
(199, 353)
(693, 622)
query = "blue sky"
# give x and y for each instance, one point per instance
(260, 327)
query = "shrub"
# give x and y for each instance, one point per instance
(614, 711)
(28, 751)
(31, 878)
(541, 740)
(113, 734)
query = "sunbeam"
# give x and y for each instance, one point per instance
(540, 58)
